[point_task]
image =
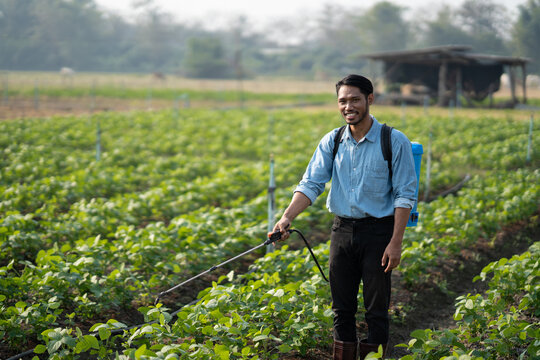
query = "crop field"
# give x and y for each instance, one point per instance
(101, 212)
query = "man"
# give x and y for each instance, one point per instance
(371, 212)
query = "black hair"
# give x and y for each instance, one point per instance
(359, 81)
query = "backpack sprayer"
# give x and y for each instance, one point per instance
(417, 151)
(272, 238)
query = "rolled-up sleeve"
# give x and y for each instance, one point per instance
(404, 176)
(319, 170)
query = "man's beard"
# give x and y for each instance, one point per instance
(362, 117)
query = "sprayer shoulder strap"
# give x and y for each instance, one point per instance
(386, 144)
(337, 140)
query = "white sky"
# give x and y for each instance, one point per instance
(216, 13)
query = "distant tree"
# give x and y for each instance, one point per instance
(480, 24)
(484, 16)
(486, 23)
(50, 34)
(205, 58)
(526, 33)
(444, 31)
(17, 34)
(383, 28)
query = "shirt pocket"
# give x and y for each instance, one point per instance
(375, 178)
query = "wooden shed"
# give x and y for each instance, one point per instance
(452, 72)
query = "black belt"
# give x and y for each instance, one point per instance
(365, 220)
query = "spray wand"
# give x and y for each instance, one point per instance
(272, 238)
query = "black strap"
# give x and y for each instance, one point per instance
(337, 140)
(386, 144)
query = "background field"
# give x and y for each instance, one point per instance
(27, 94)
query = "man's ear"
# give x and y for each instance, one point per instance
(370, 99)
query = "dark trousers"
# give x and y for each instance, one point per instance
(356, 250)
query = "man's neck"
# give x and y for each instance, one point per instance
(360, 130)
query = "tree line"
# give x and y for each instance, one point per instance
(50, 34)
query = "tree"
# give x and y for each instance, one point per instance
(486, 23)
(383, 27)
(477, 23)
(526, 33)
(205, 58)
(443, 31)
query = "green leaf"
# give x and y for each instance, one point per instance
(222, 351)
(92, 341)
(53, 346)
(420, 335)
(260, 337)
(140, 351)
(104, 334)
(284, 348)
(82, 346)
(40, 349)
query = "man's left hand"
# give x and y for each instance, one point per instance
(392, 255)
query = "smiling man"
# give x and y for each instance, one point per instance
(371, 201)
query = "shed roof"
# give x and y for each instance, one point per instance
(449, 53)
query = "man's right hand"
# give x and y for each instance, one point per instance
(283, 226)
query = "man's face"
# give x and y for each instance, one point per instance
(353, 105)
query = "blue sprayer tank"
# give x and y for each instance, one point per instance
(417, 151)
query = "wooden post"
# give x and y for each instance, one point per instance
(512, 78)
(524, 74)
(459, 87)
(442, 84)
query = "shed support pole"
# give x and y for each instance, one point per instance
(459, 87)
(512, 78)
(524, 73)
(442, 84)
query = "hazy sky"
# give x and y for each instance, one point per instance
(216, 12)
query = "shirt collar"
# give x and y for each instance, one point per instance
(372, 134)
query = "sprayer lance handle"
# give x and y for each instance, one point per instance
(275, 236)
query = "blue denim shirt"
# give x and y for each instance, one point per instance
(360, 177)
